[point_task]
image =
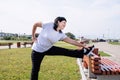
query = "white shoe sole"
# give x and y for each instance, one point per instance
(91, 53)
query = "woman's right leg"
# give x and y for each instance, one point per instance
(65, 52)
(36, 62)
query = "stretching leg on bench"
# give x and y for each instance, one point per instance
(37, 57)
(49, 35)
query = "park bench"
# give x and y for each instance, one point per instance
(6, 44)
(24, 44)
(99, 68)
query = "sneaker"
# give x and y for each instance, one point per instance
(89, 52)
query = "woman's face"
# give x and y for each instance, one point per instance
(62, 24)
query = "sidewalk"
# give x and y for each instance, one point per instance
(113, 50)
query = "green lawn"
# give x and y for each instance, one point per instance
(114, 43)
(15, 64)
(103, 53)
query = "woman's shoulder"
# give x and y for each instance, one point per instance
(48, 24)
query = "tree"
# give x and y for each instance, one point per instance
(70, 35)
(6, 37)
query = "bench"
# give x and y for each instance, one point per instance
(98, 68)
(6, 44)
(27, 43)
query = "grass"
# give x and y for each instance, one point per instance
(59, 68)
(103, 53)
(114, 43)
(15, 64)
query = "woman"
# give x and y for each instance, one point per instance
(43, 44)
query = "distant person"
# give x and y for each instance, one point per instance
(49, 35)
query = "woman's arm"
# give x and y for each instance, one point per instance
(74, 42)
(38, 24)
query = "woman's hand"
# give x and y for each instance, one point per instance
(86, 47)
(34, 39)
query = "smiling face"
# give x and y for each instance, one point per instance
(59, 23)
(62, 24)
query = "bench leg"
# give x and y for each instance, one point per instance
(90, 74)
(25, 45)
(9, 46)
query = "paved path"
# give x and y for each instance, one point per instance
(113, 50)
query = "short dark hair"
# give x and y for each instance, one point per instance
(56, 22)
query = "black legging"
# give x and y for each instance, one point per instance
(37, 57)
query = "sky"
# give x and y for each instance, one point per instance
(88, 18)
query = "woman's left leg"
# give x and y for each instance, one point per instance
(36, 62)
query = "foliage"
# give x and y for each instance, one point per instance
(7, 37)
(69, 34)
(22, 38)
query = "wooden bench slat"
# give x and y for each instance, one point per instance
(6, 44)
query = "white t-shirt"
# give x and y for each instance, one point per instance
(47, 37)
